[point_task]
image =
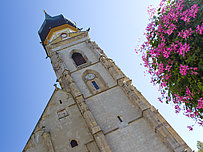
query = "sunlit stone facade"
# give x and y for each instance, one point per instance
(96, 108)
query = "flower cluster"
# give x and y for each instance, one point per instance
(199, 29)
(185, 34)
(183, 69)
(173, 54)
(185, 16)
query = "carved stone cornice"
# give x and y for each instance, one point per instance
(67, 43)
(96, 49)
(114, 71)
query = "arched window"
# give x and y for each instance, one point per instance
(74, 143)
(94, 82)
(78, 58)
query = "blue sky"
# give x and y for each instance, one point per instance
(28, 78)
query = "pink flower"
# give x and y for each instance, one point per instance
(196, 113)
(168, 67)
(164, 83)
(188, 110)
(166, 53)
(188, 92)
(136, 51)
(145, 59)
(200, 104)
(178, 98)
(183, 48)
(193, 11)
(183, 69)
(151, 11)
(160, 100)
(179, 6)
(174, 47)
(167, 76)
(200, 122)
(185, 34)
(199, 29)
(170, 29)
(189, 13)
(161, 69)
(192, 72)
(177, 108)
(150, 26)
(185, 17)
(190, 128)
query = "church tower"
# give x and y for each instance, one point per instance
(96, 109)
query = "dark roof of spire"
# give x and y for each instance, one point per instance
(51, 22)
(47, 16)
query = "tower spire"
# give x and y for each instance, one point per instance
(46, 15)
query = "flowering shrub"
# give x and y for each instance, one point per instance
(173, 54)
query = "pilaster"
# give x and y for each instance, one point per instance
(48, 141)
(114, 71)
(67, 83)
(160, 126)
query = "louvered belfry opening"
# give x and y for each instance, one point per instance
(78, 59)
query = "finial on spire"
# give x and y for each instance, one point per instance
(46, 15)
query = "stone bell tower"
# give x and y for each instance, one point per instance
(97, 108)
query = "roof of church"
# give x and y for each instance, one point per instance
(51, 22)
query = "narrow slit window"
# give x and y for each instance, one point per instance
(95, 85)
(119, 118)
(60, 101)
(74, 143)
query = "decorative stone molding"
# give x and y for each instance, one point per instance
(68, 84)
(58, 64)
(114, 71)
(68, 42)
(67, 81)
(91, 122)
(97, 78)
(93, 126)
(81, 103)
(171, 139)
(101, 142)
(64, 84)
(85, 64)
(129, 90)
(48, 141)
(95, 48)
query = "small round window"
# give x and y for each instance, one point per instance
(90, 76)
(64, 35)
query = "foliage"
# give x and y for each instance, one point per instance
(200, 146)
(173, 54)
